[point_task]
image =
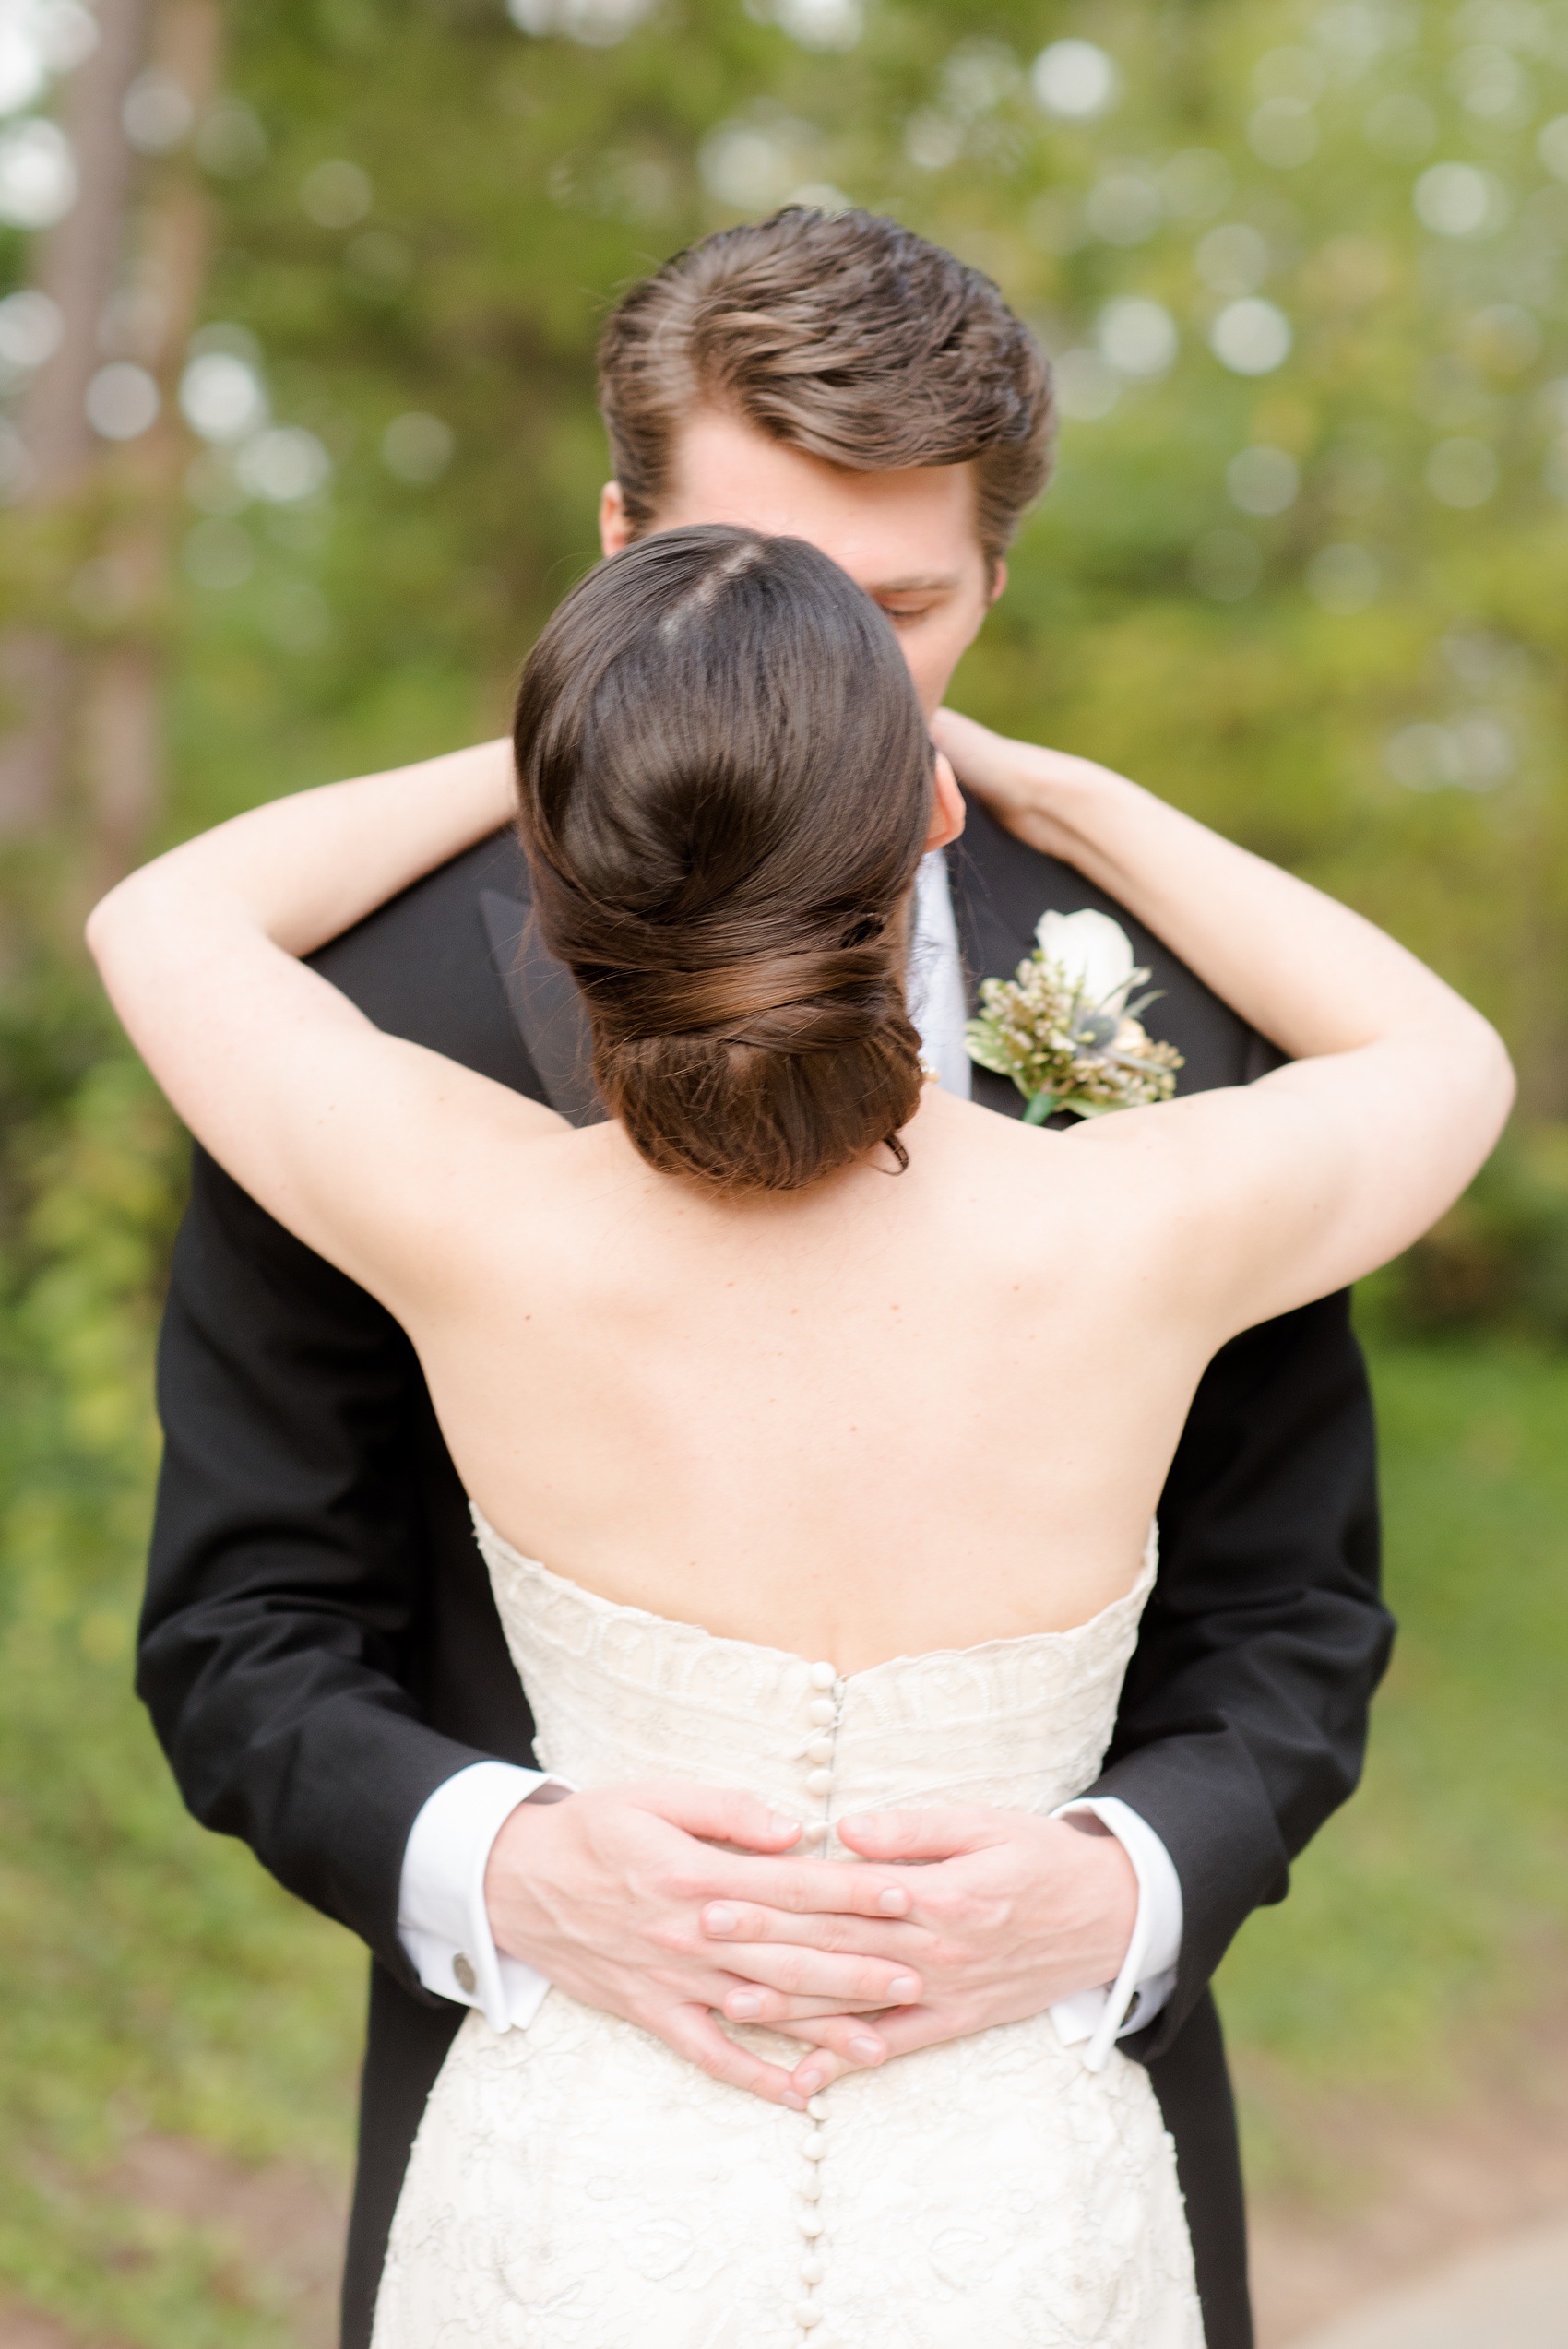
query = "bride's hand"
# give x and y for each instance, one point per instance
(1025, 785)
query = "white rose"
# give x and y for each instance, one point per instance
(1093, 952)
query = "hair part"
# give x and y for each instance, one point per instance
(843, 335)
(724, 789)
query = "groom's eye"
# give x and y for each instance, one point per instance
(905, 615)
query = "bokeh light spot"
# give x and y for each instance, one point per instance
(336, 194)
(38, 174)
(122, 401)
(1251, 336)
(417, 449)
(1074, 80)
(1262, 479)
(1461, 472)
(221, 397)
(1137, 336)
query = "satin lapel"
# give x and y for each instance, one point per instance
(1000, 890)
(543, 999)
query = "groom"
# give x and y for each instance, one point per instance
(319, 1650)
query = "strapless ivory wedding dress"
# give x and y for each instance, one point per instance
(577, 2186)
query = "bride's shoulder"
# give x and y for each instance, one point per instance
(1040, 1191)
(525, 1168)
(963, 1136)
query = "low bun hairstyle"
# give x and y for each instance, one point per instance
(725, 785)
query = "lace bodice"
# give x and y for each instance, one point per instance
(619, 1694)
(580, 2186)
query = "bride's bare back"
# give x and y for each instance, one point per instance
(888, 1414)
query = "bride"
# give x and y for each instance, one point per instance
(813, 1421)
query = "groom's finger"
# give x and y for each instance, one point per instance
(800, 1972)
(693, 2032)
(718, 1814)
(750, 2003)
(946, 1832)
(734, 1922)
(915, 2028)
(838, 2044)
(809, 1887)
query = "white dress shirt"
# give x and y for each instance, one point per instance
(442, 1920)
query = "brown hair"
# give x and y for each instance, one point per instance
(724, 787)
(843, 335)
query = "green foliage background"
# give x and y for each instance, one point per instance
(1406, 752)
(518, 182)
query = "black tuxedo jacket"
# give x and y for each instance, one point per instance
(319, 1649)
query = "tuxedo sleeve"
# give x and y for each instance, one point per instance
(1243, 1720)
(318, 1648)
(281, 1626)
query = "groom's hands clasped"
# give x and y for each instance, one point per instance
(1004, 1913)
(959, 1920)
(606, 1893)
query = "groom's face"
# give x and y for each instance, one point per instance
(908, 537)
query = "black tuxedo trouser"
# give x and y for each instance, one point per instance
(408, 2044)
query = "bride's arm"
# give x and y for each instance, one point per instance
(305, 869)
(1397, 1088)
(336, 1128)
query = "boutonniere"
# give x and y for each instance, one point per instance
(1063, 1029)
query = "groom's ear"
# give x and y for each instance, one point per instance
(948, 810)
(615, 530)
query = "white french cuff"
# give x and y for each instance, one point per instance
(442, 1919)
(1096, 2019)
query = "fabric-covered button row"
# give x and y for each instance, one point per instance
(822, 1714)
(812, 2268)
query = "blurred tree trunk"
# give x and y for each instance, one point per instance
(122, 701)
(77, 262)
(79, 258)
(129, 285)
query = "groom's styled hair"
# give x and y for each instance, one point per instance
(843, 335)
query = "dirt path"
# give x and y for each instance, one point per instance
(1515, 2293)
(1399, 2193)
(25, 2328)
(279, 2229)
